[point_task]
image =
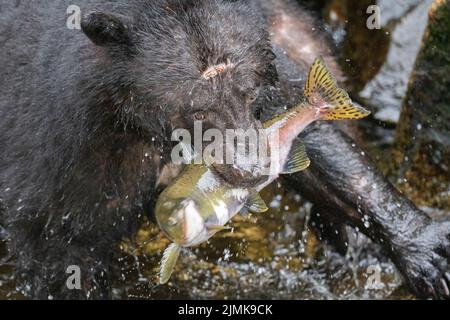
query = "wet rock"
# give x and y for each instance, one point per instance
(405, 21)
(422, 153)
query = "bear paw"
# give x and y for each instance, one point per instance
(425, 261)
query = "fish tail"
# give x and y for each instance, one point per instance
(168, 262)
(322, 92)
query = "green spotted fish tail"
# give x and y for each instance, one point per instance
(322, 91)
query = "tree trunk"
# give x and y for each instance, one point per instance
(422, 150)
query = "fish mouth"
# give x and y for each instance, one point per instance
(196, 240)
(193, 225)
(193, 239)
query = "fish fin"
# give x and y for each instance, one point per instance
(298, 160)
(168, 262)
(322, 91)
(255, 204)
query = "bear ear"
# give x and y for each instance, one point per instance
(105, 29)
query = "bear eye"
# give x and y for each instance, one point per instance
(251, 98)
(200, 116)
(251, 95)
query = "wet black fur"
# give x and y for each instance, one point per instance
(85, 125)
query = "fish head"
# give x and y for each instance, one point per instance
(182, 222)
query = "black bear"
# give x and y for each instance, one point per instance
(86, 118)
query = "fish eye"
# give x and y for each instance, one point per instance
(172, 222)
